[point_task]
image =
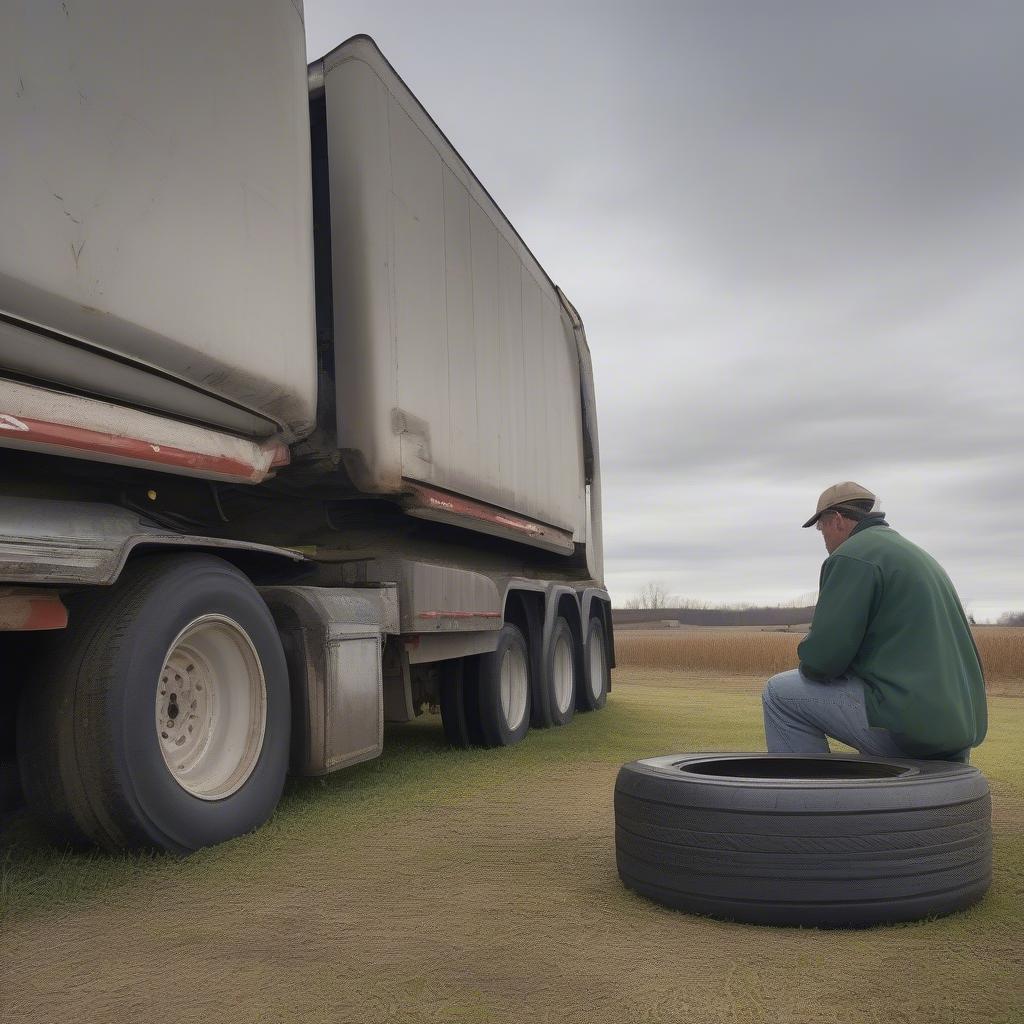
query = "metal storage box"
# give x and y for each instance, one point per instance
(332, 644)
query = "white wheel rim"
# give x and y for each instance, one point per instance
(563, 673)
(211, 707)
(597, 671)
(515, 686)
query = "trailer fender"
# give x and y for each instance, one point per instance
(80, 543)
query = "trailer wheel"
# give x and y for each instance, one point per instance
(10, 788)
(804, 839)
(593, 691)
(460, 711)
(504, 689)
(560, 675)
(162, 718)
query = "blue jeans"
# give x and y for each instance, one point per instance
(800, 714)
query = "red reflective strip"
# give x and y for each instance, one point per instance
(31, 612)
(85, 440)
(458, 615)
(427, 497)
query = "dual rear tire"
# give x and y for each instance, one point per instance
(593, 694)
(162, 718)
(572, 682)
(485, 699)
(488, 700)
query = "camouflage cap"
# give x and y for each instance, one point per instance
(840, 494)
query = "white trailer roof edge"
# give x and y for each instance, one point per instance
(363, 46)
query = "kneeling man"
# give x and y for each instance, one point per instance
(889, 666)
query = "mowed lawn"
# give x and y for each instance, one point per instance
(443, 886)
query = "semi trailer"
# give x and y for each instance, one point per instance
(297, 437)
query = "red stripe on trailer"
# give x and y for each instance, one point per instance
(82, 439)
(458, 614)
(451, 504)
(28, 611)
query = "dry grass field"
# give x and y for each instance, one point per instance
(765, 652)
(456, 887)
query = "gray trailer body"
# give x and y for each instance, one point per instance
(155, 215)
(460, 362)
(289, 414)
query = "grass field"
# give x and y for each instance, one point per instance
(443, 886)
(765, 652)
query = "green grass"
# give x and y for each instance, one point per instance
(415, 767)
(438, 885)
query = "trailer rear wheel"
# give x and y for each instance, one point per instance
(593, 691)
(162, 718)
(504, 689)
(560, 673)
(460, 711)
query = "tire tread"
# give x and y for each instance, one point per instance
(825, 864)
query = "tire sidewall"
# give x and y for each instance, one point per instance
(561, 629)
(824, 852)
(167, 814)
(587, 701)
(496, 729)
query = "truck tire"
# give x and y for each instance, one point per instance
(504, 689)
(10, 788)
(559, 675)
(161, 717)
(460, 709)
(804, 839)
(592, 693)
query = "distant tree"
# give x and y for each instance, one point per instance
(651, 595)
(1011, 619)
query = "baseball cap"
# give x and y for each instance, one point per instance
(839, 494)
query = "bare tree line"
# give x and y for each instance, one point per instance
(654, 596)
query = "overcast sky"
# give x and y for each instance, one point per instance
(795, 232)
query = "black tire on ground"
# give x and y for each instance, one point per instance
(10, 788)
(460, 711)
(93, 766)
(504, 689)
(559, 675)
(10, 785)
(821, 840)
(592, 693)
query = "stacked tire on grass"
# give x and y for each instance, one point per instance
(815, 840)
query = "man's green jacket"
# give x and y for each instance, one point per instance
(888, 613)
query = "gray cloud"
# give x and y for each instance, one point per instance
(793, 230)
